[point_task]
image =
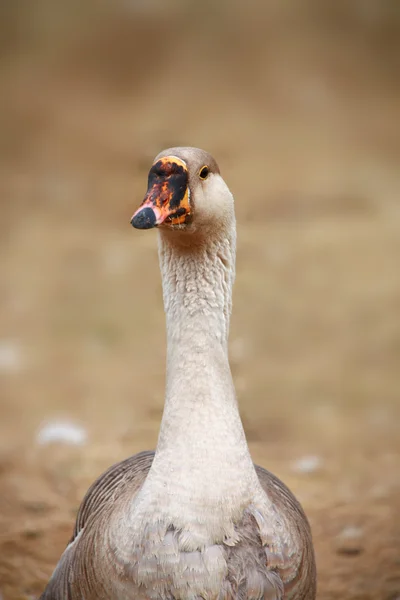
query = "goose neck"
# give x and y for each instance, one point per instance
(197, 278)
(202, 471)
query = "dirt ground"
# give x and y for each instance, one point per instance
(301, 107)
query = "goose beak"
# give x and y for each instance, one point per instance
(167, 198)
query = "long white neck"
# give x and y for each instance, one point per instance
(202, 477)
(200, 403)
(197, 276)
(202, 459)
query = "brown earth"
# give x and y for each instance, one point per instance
(301, 107)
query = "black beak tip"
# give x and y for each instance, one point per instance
(144, 219)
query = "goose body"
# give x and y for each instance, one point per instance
(196, 519)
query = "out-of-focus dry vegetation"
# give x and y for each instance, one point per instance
(300, 104)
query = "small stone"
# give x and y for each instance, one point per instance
(307, 464)
(61, 432)
(350, 541)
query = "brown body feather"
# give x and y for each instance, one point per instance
(83, 572)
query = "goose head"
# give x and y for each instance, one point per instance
(185, 192)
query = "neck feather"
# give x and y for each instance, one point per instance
(197, 286)
(201, 436)
(202, 477)
(197, 277)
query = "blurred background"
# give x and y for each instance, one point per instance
(300, 105)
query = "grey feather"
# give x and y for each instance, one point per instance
(251, 571)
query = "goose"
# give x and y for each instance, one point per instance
(196, 519)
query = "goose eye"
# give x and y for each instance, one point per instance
(204, 172)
